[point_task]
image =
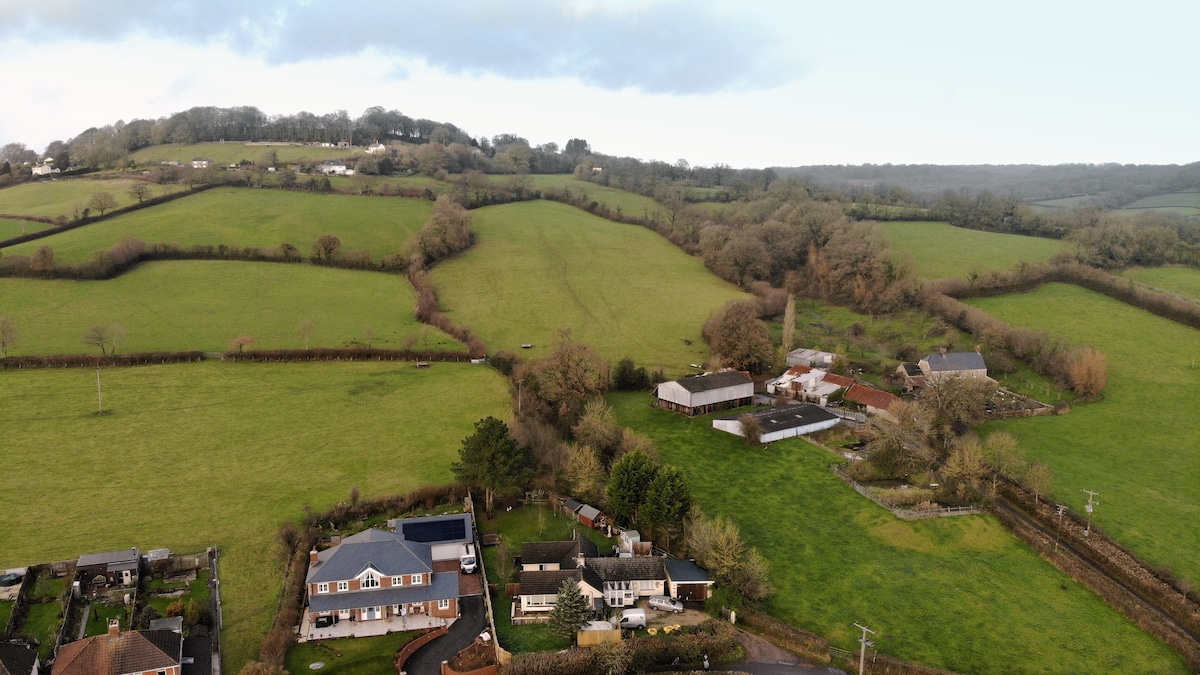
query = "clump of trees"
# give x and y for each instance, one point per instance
(556, 387)
(718, 546)
(490, 459)
(739, 338)
(447, 232)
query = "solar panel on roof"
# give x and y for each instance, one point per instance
(427, 532)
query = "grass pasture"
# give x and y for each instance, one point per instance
(1182, 203)
(1182, 280)
(539, 266)
(247, 217)
(940, 250)
(61, 196)
(957, 593)
(203, 304)
(1140, 446)
(15, 228)
(226, 154)
(614, 198)
(218, 454)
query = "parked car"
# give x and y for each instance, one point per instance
(325, 621)
(7, 580)
(632, 618)
(666, 604)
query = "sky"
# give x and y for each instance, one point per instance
(748, 83)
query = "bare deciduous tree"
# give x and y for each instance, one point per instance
(139, 191)
(98, 336)
(102, 202)
(304, 329)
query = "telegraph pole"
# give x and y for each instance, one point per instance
(862, 651)
(1090, 506)
(1062, 508)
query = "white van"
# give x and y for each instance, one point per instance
(467, 562)
(632, 618)
(665, 604)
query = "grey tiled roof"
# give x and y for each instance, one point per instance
(386, 552)
(729, 378)
(539, 552)
(789, 416)
(627, 569)
(110, 557)
(546, 582)
(951, 361)
(686, 571)
(443, 586)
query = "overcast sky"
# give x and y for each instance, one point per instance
(750, 83)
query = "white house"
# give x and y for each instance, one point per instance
(377, 149)
(805, 383)
(783, 422)
(201, 163)
(706, 393)
(44, 170)
(333, 168)
(624, 580)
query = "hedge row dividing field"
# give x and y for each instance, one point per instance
(940, 250)
(540, 266)
(217, 454)
(251, 217)
(1182, 280)
(1140, 446)
(202, 305)
(60, 196)
(957, 593)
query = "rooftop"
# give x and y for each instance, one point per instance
(789, 416)
(952, 361)
(710, 381)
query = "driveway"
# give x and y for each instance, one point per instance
(764, 658)
(428, 659)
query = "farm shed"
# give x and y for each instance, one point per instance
(810, 357)
(875, 401)
(117, 567)
(706, 393)
(687, 581)
(783, 422)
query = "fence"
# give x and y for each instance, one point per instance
(214, 599)
(899, 511)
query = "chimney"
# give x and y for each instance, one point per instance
(312, 556)
(114, 628)
(943, 350)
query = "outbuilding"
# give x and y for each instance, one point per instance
(782, 422)
(687, 581)
(706, 393)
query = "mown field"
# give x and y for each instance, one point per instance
(540, 266)
(202, 305)
(246, 217)
(16, 228)
(1182, 280)
(940, 250)
(618, 200)
(1185, 203)
(63, 196)
(215, 454)
(958, 593)
(1140, 446)
(1052, 205)
(225, 154)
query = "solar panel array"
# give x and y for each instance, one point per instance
(426, 532)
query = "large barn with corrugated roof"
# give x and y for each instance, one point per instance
(706, 393)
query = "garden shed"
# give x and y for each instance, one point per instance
(706, 393)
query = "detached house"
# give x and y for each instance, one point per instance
(706, 393)
(389, 581)
(545, 565)
(158, 652)
(624, 580)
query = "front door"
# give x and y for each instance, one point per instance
(371, 613)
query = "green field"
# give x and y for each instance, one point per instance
(1187, 201)
(219, 454)
(1052, 205)
(958, 593)
(203, 304)
(540, 266)
(940, 250)
(626, 202)
(16, 228)
(225, 154)
(1182, 280)
(245, 217)
(1140, 446)
(61, 197)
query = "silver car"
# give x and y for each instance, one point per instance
(663, 603)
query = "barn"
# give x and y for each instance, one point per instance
(783, 422)
(706, 393)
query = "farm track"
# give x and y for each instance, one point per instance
(1144, 602)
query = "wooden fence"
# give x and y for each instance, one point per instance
(899, 511)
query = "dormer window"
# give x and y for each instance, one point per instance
(397, 581)
(417, 579)
(370, 580)
(343, 586)
(323, 587)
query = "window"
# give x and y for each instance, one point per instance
(397, 581)
(444, 603)
(343, 586)
(371, 580)
(323, 588)
(416, 579)
(647, 585)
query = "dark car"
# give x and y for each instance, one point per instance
(324, 621)
(7, 580)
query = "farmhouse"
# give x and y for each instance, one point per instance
(376, 149)
(959, 364)
(706, 393)
(334, 168)
(687, 581)
(783, 422)
(389, 581)
(43, 170)
(114, 567)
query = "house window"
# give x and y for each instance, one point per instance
(647, 585)
(323, 588)
(416, 579)
(370, 580)
(541, 600)
(397, 581)
(444, 603)
(343, 586)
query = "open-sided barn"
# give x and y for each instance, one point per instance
(706, 393)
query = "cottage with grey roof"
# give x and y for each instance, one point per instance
(953, 364)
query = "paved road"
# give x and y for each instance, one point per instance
(428, 659)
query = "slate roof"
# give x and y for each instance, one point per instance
(952, 361)
(564, 553)
(16, 660)
(199, 650)
(789, 416)
(440, 587)
(627, 569)
(127, 555)
(572, 504)
(387, 552)
(127, 653)
(172, 623)
(729, 378)
(589, 512)
(869, 396)
(547, 582)
(912, 369)
(686, 572)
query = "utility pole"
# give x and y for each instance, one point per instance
(862, 651)
(519, 396)
(1062, 508)
(1090, 506)
(99, 393)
